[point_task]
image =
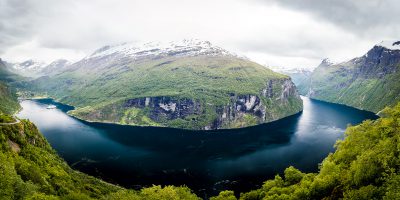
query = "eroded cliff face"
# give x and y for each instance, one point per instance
(166, 107)
(275, 101)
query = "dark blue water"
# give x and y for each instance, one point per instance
(206, 161)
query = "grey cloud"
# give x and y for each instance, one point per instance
(50, 28)
(14, 23)
(362, 17)
(24, 20)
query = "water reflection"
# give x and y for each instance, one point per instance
(206, 161)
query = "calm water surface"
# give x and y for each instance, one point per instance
(206, 161)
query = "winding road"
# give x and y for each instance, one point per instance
(11, 123)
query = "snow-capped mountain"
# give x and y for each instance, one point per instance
(290, 70)
(300, 76)
(29, 65)
(55, 66)
(32, 68)
(29, 68)
(191, 47)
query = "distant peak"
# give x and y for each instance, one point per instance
(29, 65)
(390, 44)
(326, 62)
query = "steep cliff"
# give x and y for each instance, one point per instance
(190, 84)
(369, 82)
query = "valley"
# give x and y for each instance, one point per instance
(121, 120)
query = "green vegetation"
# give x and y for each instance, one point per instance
(365, 165)
(30, 169)
(8, 100)
(6, 119)
(99, 92)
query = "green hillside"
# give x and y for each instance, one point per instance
(369, 82)
(30, 169)
(192, 92)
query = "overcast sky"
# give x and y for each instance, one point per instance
(287, 33)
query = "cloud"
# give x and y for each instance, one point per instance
(13, 24)
(364, 18)
(286, 33)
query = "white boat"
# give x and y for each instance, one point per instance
(51, 107)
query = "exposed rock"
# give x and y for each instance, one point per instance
(14, 146)
(166, 107)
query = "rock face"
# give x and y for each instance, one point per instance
(369, 82)
(166, 107)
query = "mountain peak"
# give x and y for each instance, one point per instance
(326, 62)
(186, 47)
(390, 44)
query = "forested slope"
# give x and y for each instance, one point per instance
(365, 165)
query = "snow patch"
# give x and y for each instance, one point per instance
(29, 65)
